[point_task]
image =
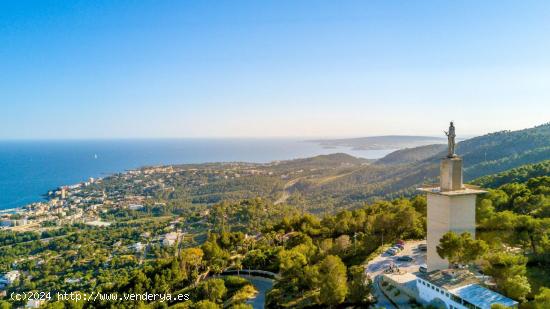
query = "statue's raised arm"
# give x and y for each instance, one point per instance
(451, 140)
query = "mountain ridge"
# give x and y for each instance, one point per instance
(381, 142)
(488, 154)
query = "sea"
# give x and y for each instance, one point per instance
(29, 169)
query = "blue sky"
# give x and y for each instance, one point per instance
(111, 69)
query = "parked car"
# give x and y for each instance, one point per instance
(401, 242)
(405, 258)
(423, 268)
(397, 248)
(391, 251)
(400, 246)
(423, 247)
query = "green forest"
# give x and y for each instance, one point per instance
(319, 260)
(315, 249)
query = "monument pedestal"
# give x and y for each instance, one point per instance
(451, 174)
(451, 207)
(449, 211)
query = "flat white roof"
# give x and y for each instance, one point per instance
(482, 297)
(467, 190)
(98, 223)
(402, 278)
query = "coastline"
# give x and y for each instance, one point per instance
(40, 167)
(11, 211)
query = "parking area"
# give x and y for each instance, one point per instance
(383, 261)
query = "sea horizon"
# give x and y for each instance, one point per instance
(31, 168)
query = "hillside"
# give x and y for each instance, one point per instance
(483, 155)
(326, 183)
(381, 142)
(334, 160)
(203, 184)
(519, 174)
(410, 155)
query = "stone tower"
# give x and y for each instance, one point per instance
(451, 205)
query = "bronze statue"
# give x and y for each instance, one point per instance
(451, 140)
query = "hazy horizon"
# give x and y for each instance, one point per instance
(308, 69)
(294, 138)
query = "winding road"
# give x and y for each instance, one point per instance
(286, 190)
(381, 299)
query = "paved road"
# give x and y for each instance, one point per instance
(381, 299)
(262, 285)
(377, 265)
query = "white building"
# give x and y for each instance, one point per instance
(20, 222)
(450, 289)
(138, 247)
(135, 206)
(9, 277)
(72, 280)
(458, 289)
(34, 303)
(63, 193)
(170, 239)
(98, 223)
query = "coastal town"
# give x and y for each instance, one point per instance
(64, 206)
(85, 202)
